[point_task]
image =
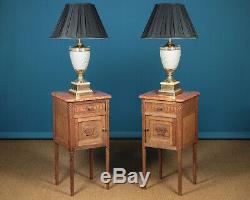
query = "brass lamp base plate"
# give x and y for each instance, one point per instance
(80, 89)
(170, 88)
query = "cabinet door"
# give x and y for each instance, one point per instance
(160, 131)
(91, 131)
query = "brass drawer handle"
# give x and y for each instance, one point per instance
(159, 109)
(90, 108)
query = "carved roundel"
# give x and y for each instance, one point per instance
(89, 131)
(161, 131)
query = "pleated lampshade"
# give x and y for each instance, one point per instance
(169, 21)
(79, 20)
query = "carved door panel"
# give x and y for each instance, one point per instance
(160, 131)
(91, 131)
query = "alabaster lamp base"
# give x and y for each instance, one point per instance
(170, 57)
(80, 56)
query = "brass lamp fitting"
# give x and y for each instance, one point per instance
(80, 74)
(169, 43)
(170, 77)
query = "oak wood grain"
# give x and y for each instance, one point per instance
(155, 95)
(91, 163)
(68, 97)
(80, 123)
(107, 150)
(172, 124)
(56, 163)
(71, 170)
(160, 162)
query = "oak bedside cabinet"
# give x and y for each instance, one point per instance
(172, 124)
(80, 124)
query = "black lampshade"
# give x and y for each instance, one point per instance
(169, 21)
(79, 21)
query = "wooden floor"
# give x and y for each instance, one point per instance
(26, 172)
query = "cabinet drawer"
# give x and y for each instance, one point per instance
(160, 107)
(91, 131)
(160, 131)
(96, 108)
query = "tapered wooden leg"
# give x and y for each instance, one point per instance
(179, 158)
(56, 163)
(91, 163)
(160, 162)
(71, 169)
(144, 161)
(194, 162)
(107, 164)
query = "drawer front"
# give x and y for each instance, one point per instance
(94, 108)
(91, 131)
(160, 131)
(160, 108)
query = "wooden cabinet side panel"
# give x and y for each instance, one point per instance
(189, 107)
(60, 121)
(189, 129)
(190, 121)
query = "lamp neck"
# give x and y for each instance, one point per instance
(169, 43)
(79, 44)
(80, 74)
(170, 73)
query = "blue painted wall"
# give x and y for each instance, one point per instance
(32, 65)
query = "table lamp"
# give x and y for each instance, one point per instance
(77, 21)
(169, 21)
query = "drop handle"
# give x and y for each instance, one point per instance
(103, 130)
(159, 109)
(147, 130)
(90, 108)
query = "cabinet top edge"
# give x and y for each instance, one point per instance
(155, 95)
(71, 98)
